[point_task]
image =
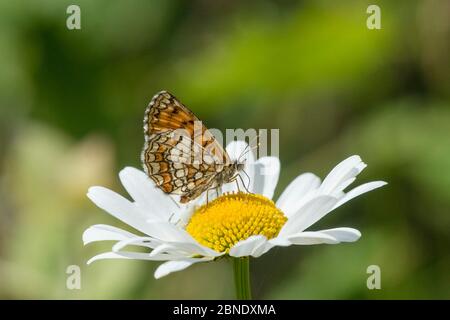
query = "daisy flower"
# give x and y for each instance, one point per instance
(235, 224)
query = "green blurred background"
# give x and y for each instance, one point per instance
(71, 108)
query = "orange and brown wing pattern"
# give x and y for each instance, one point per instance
(180, 155)
(172, 172)
(166, 113)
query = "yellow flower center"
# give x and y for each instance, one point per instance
(233, 217)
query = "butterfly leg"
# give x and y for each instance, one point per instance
(243, 184)
(171, 216)
(237, 184)
(217, 192)
(248, 177)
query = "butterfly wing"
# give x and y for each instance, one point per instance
(180, 155)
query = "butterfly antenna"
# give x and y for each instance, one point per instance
(244, 153)
(248, 148)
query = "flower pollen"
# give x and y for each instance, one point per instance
(234, 217)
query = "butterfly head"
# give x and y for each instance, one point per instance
(230, 172)
(234, 170)
(238, 166)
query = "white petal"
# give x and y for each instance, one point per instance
(343, 234)
(167, 232)
(185, 215)
(136, 241)
(187, 210)
(311, 237)
(339, 175)
(280, 241)
(178, 238)
(366, 187)
(295, 191)
(262, 249)
(329, 236)
(173, 266)
(236, 150)
(186, 249)
(230, 187)
(147, 196)
(119, 207)
(248, 246)
(126, 255)
(267, 172)
(162, 248)
(101, 232)
(346, 183)
(308, 214)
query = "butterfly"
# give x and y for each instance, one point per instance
(180, 155)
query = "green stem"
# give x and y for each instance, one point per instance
(241, 268)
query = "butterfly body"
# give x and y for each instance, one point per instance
(180, 155)
(227, 174)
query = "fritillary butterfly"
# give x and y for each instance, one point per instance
(180, 155)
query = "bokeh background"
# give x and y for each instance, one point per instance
(71, 108)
